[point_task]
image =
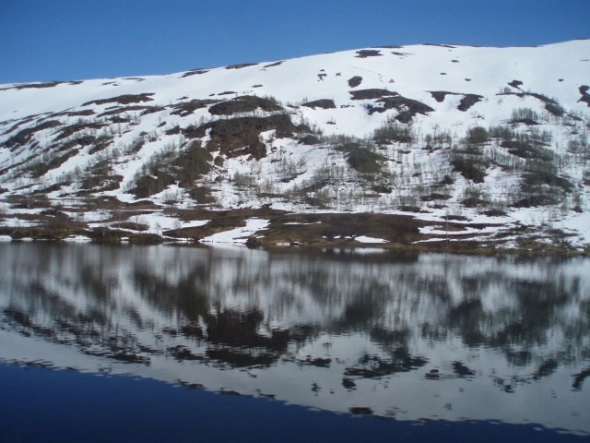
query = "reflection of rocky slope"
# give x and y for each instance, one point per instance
(349, 320)
(256, 300)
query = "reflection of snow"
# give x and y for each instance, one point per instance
(414, 314)
(78, 238)
(358, 251)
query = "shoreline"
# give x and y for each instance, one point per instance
(276, 230)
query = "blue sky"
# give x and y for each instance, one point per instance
(79, 39)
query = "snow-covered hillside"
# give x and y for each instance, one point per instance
(493, 139)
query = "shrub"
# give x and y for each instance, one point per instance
(392, 133)
(361, 159)
(526, 150)
(503, 132)
(579, 145)
(438, 139)
(539, 176)
(469, 169)
(473, 197)
(169, 166)
(201, 194)
(469, 166)
(243, 181)
(524, 115)
(192, 164)
(477, 135)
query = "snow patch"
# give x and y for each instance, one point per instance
(238, 235)
(365, 239)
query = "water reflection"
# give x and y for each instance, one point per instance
(439, 336)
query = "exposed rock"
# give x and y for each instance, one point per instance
(187, 108)
(407, 107)
(364, 53)
(240, 65)
(585, 96)
(123, 99)
(322, 103)
(195, 72)
(245, 103)
(240, 136)
(24, 136)
(371, 94)
(272, 65)
(361, 411)
(309, 140)
(353, 82)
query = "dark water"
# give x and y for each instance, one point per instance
(195, 344)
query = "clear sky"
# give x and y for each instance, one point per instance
(79, 39)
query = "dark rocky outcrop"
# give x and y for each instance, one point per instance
(407, 107)
(195, 72)
(353, 82)
(241, 136)
(25, 135)
(364, 53)
(551, 105)
(245, 103)
(187, 108)
(371, 94)
(123, 99)
(466, 102)
(240, 65)
(585, 96)
(322, 103)
(515, 84)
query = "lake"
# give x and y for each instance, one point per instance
(131, 343)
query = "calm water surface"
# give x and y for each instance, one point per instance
(415, 344)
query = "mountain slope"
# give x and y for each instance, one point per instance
(484, 145)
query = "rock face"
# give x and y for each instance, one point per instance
(365, 130)
(322, 104)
